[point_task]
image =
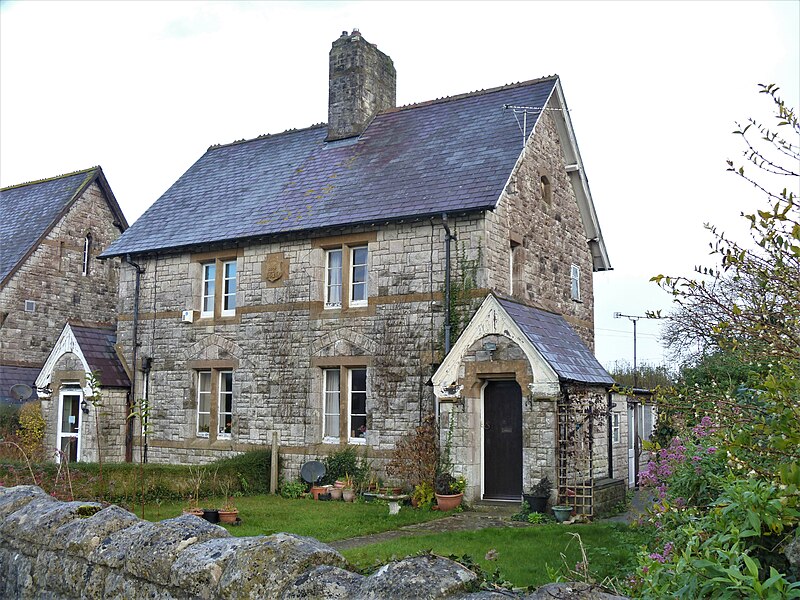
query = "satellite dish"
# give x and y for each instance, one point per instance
(312, 472)
(21, 392)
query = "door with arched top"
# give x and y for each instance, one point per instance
(502, 440)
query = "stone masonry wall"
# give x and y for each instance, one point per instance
(53, 278)
(281, 337)
(550, 234)
(72, 550)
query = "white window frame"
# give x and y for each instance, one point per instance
(328, 285)
(200, 391)
(87, 249)
(648, 424)
(353, 282)
(328, 436)
(615, 430)
(69, 389)
(575, 282)
(354, 439)
(222, 393)
(229, 308)
(204, 295)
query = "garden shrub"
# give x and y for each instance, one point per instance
(246, 473)
(343, 463)
(31, 429)
(293, 489)
(415, 459)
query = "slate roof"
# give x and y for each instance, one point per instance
(10, 376)
(558, 343)
(449, 155)
(28, 211)
(97, 345)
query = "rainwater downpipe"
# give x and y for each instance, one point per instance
(610, 435)
(147, 363)
(129, 428)
(447, 327)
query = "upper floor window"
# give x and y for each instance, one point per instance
(575, 282)
(87, 252)
(229, 288)
(514, 266)
(346, 276)
(209, 287)
(333, 278)
(218, 275)
(546, 189)
(358, 276)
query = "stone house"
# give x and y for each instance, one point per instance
(51, 232)
(310, 283)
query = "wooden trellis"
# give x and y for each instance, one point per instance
(576, 416)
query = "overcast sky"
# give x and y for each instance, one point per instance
(143, 88)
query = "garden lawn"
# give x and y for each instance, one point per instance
(523, 555)
(326, 521)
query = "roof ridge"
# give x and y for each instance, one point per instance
(265, 136)
(443, 99)
(46, 179)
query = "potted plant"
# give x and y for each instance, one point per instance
(449, 491)
(422, 496)
(348, 491)
(336, 491)
(539, 495)
(196, 480)
(228, 513)
(562, 512)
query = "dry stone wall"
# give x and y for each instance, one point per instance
(75, 550)
(52, 277)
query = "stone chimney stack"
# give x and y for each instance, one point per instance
(362, 83)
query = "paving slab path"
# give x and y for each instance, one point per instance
(478, 517)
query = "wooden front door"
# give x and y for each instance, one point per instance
(502, 436)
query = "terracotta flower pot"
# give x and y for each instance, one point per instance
(449, 501)
(348, 494)
(197, 512)
(316, 490)
(336, 493)
(228, 516)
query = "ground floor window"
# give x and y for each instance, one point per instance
(615, 427)
(344, 403)
(214, 403)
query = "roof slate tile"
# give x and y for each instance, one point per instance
(558, 343)
(28, 210)
(446, 156)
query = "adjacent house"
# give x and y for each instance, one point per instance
(337, 283)
(51, 232)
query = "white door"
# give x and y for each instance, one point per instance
(69, 425)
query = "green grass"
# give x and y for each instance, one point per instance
(326, 521)
(523, 554)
